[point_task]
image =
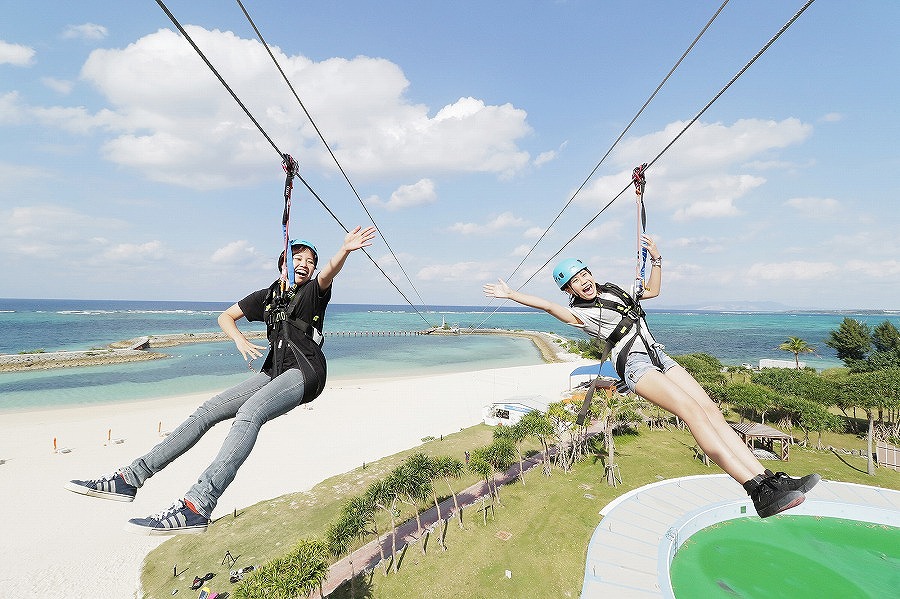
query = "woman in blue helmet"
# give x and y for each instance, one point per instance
(292, 374)
(615, 317)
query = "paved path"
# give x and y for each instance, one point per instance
(368, 556)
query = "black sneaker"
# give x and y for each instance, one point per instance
(178, 519)
(804, 484)
(771, 495)
(113, 486)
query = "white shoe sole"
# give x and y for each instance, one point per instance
(163, 532)
(81, 490)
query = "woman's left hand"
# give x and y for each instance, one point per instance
(650, 245)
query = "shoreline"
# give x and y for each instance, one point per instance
(60, 539)
(550, 346)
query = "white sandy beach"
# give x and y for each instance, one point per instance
(61, 544)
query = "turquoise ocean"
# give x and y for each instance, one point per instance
(54, 325)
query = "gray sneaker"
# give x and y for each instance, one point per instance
(113, 486)
(178, 519)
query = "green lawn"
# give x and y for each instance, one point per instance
(548, 522)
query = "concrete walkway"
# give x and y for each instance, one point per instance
(631, 550)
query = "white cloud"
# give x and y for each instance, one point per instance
(695, 178)
(135, 253)
(47, 230)
(832, 117)
(797, 270)
(818, 208)
(419, 193)
(16, 54)
(545, 157)
(169, 118)
(460, 271)
(85, 31)
(236, 253)
(502, 221)
(58, 85)
(533, 232)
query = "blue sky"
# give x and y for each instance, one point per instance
(128, 172)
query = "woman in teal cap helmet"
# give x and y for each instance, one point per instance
(614, 316)
(293, 373)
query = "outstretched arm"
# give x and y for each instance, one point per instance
(501, 290)
(356, 239)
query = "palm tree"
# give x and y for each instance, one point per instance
(416, 485)
(448, 467)
(501, 454)
(515, 434)
(380, 495)
(356, 520)
(538, 425)
(797, 346)
(611, 408)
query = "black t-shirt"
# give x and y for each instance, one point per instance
(313, 301)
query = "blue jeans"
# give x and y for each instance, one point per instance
(638, 364)
(251, 404)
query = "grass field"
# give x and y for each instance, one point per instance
(539, 533)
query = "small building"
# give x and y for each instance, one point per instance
(767, 363)
(755, 434)
(510, 411)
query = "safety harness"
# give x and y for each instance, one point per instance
(626, 305)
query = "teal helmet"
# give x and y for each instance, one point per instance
(567, 269)
(299, 243)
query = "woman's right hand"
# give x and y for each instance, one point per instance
(499, 290)
(250, 351)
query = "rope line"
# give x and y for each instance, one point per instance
(608, 152)
(677, 137)
(621, 135)
(328, 147)
(309, 188)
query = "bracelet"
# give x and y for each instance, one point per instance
(656, 262)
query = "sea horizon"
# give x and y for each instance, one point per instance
(734, 337)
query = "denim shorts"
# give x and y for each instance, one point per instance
(638, 364)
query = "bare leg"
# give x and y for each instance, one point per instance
(704, 419)
(684, 380)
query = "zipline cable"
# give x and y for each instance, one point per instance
(611, 148)
(190, 40)
(677, 137)
(328, 147)
(621, 135)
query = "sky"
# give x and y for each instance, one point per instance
(127, 170)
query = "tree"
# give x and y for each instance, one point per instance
(750, 397)
(296, 574)
(501, 454)
(515, 434)
(415, 485)
(802, 383)
(447, 467)
(851, 341)
(872, 391)
(382, 494)
(797, 346)
(612, 408)
(356, 520)
(539, 426)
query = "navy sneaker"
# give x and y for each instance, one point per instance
(178, 519)
(772, 494)
(804, 484)
(113, 486)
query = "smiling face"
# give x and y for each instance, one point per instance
(582, 285)
(304, 264)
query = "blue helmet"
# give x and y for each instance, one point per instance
(299, 243)
(567, 269)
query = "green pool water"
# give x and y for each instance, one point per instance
(789, 556)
